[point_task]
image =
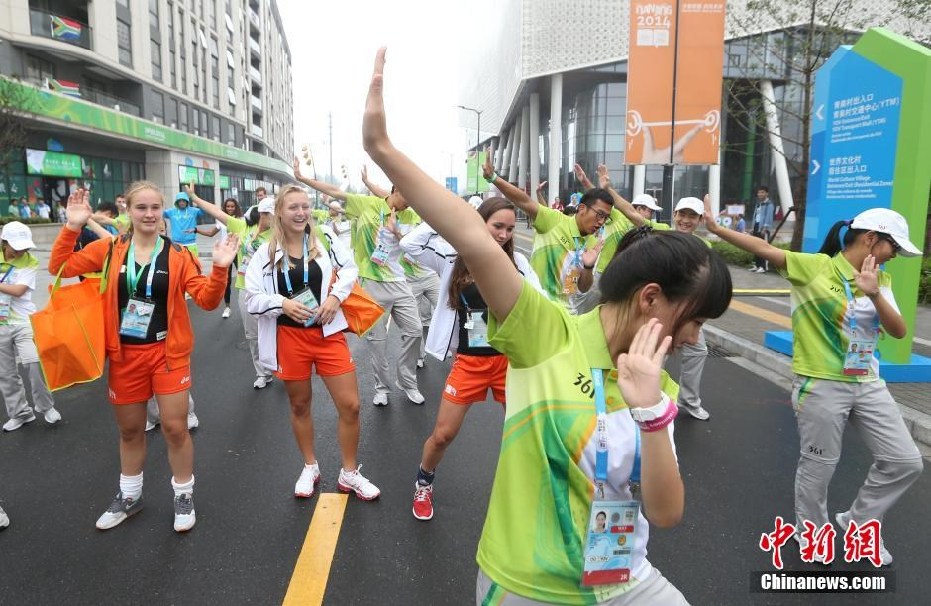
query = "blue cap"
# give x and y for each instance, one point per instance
(182, 196)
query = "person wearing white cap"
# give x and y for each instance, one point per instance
(842, 303)
(18, 269)
(251, 237)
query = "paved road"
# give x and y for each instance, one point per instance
(738, 472)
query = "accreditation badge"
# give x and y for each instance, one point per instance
(609, 542)
(136, 318)
(477, 329)
(859, 357)
(306, 297)
(5, 302)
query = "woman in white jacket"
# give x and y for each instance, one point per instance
(290, 289)
(460, 325)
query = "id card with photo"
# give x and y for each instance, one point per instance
(609, 542)
(136, 318)
(858, 360)
(306, 297)
(477, 329)
(5, 303)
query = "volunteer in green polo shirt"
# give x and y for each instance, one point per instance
(378, 223)
(564, 244)
(251, 237)
(842, 303)
(578, 439)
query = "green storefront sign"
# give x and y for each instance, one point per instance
(224, 182)
(45, 104)
(52, 164)
(197, 176)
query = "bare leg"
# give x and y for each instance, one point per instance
(130, 419)
(173, 409)
(448, 423)
(302, 422)
(344, 389)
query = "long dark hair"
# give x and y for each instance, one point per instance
(682, 265)
(237, 212)
(461, 278)
(833, 243)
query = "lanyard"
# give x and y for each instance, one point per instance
(7, 274)
(132, 279)
(579, 246)
(287, 277)
(250, 242)
(851, 315)
(601, 427)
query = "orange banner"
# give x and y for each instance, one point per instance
(674, 106)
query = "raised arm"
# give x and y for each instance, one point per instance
(756, 246)
(381, 192)
(627, 209)
(208, 207)
(540, 197)
(325, 188)
(516, 195)
(95, 227)
(495, 275)
(581, 177)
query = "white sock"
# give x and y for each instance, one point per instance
(186, 488)
(131, 486)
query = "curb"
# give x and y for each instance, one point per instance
(917, 422)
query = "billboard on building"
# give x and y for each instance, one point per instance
(674, 78)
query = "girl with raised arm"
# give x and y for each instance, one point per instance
(842, 304)
(588, 427)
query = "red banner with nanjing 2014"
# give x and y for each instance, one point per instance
(674, 76)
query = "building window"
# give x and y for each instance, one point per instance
(38, 70)
(158, 107)
(153, 14)
(230, 133)
(215, 127)
(231, 96)
(171, 68)
(156, 60)
(195, 121)
(125, 42)
(182, 118)
(172, 117)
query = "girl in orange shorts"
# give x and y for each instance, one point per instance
(460, 323)
(291, 290)
(148, 335)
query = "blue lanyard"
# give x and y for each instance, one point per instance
(579, 247)
(7, 274)
(851, 315)
(601, 429)
(132, 279)
(287, 277)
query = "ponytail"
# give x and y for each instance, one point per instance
(833, 243)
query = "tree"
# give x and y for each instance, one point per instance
(777, 48)
(16, 101)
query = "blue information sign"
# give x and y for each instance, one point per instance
(855, 127)
(452, 184)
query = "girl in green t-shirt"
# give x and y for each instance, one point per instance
(841, 302)
(547, 474)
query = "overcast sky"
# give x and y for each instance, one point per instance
(333, 46)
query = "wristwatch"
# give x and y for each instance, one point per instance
(644, 415)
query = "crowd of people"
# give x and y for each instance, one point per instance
(570, 342)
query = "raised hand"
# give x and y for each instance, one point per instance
(189, 190)
(78, 210)
(541, 186)
(604, 179)
(710, 222)
(297, 168)
(590, 256)
(867, 278)
(224, 251)
(374, 129)
(581, 177)
(488, 168)
(638, 370)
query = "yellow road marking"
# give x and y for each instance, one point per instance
(312, 570)
(762, 314)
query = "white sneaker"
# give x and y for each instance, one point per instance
(4, 519)
(353, 481)
(699, 413)
(120, 509)
(798, 539)
(760, 270)
(226, 312)
(52, 416)
(412, 394)
(843, 520)
(751, 268)
(184, 512)
(419, 362)
(307, 482)
(149, 425)
(380, 399)
(192, 421)
(16, 423)
(262, 382)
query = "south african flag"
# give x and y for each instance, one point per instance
(65, 29)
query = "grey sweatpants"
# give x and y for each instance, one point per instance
(250, 325)
(822, 409)
(16, 340)
(654, 589)
(154, 417)
(691, 364)
(398, 301)
(426, 291)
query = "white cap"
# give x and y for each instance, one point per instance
(475, 202)
(693, 204)
(266, 205)
(17, 235)
(884, 221)
(646, 200)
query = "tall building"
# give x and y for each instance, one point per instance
(550, 78)
(172, 91)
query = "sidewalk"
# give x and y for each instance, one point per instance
(741, 329)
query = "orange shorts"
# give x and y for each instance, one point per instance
(144, 372)
(472, 376)
(299, 349)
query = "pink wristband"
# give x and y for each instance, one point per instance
(656, 424)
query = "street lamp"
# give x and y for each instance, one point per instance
(478, 138)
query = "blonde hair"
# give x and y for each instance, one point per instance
(278, 238)
(134, 189)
